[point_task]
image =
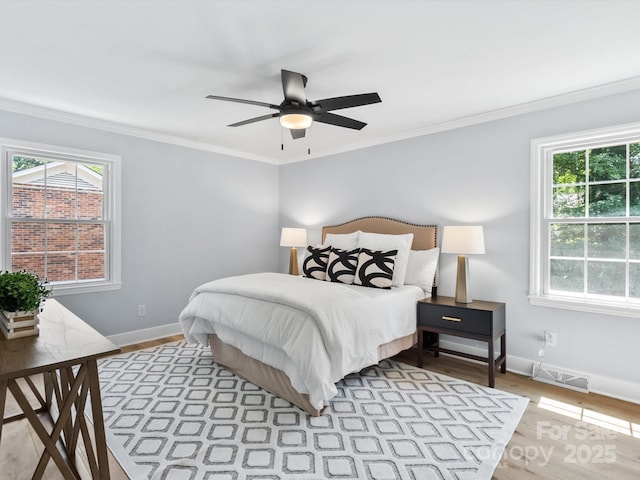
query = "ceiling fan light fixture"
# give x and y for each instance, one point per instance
(296, 121)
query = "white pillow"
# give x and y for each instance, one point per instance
(381, 241)
(421, 268)
(343, 241)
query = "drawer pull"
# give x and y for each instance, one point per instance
(451, 319)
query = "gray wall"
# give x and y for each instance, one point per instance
(474, 175)
(188, 216)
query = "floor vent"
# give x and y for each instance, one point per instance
(562, 378)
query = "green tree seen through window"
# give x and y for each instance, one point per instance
(24, 163)
(588, 184)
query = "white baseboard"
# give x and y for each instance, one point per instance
(610, 387)
(145, 334)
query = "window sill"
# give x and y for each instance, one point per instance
(60, 290)
(583, 305)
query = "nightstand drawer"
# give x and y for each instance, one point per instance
(456, 319)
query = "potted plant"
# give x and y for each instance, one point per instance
(21, 294)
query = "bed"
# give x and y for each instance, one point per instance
(288, 346)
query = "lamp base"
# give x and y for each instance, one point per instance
(293, 261)
(463, 287)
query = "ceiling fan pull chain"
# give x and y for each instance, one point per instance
(309, 141)
(282, 139)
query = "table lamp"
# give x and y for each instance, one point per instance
(293, 237)
(463, 240)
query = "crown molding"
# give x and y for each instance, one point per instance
(113, 127)
(576, 96)
(523, 108)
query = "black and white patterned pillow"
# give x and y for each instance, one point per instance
(342, 265)
(316, 261)
(375, 268)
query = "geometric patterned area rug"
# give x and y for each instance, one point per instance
(172, 413)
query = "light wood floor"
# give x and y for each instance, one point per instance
(546, 445)
(552, 445)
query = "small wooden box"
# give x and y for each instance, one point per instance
(19, 324)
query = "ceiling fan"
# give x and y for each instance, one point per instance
(297, 113)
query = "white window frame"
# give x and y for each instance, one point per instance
(542, 150)
(112, 217)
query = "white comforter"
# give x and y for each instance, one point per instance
(316, 332)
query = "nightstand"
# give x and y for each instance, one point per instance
(478, 320)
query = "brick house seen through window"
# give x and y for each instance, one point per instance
(57, 227)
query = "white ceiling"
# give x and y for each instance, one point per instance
(144, 67)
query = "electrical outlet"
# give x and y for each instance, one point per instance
(142, 310)
(551, 338)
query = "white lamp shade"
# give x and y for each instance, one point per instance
(293, 237)
(463, 240)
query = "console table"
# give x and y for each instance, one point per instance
(478, 320)
(65, 353)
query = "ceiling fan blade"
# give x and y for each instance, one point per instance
(339, 121)
(240, 100)
(293, 87)
(348, 101)
(297, 133)
(253, 120)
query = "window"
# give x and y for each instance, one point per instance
(61, 216)
(585, 221)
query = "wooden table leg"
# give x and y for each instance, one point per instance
(3, 401)
(48, 388)
(66, 385)
(72, 387)
(98, 421)
(50, 449)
